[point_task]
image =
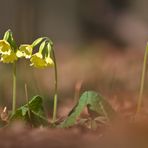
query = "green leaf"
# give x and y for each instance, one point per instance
(32, 112)
(24, 110)
(96, 104)
(37, 41)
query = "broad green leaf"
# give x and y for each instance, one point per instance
(24, 110)
(96, 104)
(32, 112)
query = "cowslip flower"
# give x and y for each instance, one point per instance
(7, 54)
(25, 50)
(38, 61)
(9, 57)
(42, 58)
(4, 47)
(8, 48)
(49, 61)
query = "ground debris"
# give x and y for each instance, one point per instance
(121, 133)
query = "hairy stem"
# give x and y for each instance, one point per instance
(139, 103)
(14, 88)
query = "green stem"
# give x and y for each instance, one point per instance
(14, 88)
(26, 94)
(139, 103)
(55, 87)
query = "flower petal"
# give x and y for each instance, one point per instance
(9, 58)
(26, 50)
(4, 46)
(49, 61)
(38, 61)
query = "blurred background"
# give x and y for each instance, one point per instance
(99, 45)
(74, 22)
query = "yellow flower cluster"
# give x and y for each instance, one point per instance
(7, 54)
(40, 59)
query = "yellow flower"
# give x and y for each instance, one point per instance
(25, 51)
(49, 61)
(9, 58)
(4, 47)
(38, 61)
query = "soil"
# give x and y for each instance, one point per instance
(123, 133)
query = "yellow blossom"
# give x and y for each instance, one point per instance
(9, 58)
(38, 61)
(25, 51)
(49, 61)
(4, 46)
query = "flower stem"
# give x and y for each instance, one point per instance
(139, 103)
(14, 88)
(55, 87)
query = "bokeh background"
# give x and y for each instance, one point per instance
(99, 45)
(73, 22)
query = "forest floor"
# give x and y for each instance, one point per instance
(116, 75)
